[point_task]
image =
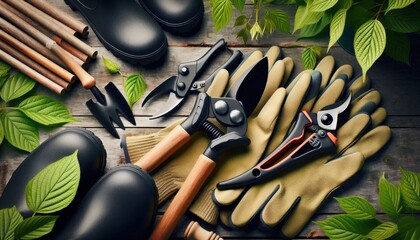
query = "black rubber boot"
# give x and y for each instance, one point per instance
(125, 29)
(176, 16)
(122, 205)
(91, 156)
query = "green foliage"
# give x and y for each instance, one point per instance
(360, 220)
(51, 190)
(10, 219)
(18, 124)
(134, 87)
(55, 186)
(134, 84)
(264, 20)
(380, 25)
(310, 56)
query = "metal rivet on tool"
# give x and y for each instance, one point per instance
(181, 85)
(326, 119)
(221, 107)
(236, 116)
(322, 133)
(184, 71)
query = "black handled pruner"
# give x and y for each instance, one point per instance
(187, 80)
(297, 147)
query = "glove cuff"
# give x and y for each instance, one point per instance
(204, 207)
(135, 147)
(165, 183)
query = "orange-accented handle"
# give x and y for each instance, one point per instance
(183, 199)
(165, 148)
(85, 78)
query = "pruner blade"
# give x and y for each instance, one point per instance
(172, 102)
(328, 117)
(165, 87)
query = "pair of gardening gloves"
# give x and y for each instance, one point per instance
(288, 201)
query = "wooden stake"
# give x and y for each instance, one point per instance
(61, 16)
(31, 73)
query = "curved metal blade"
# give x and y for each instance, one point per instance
(165, 87)
(328, 117)
(171, 104)
(249, 87)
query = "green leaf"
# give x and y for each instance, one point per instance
(45, 110)
(369, 44)
(310, 56)
(110, 65)
(346, 4)
(337, 26)
(397, 4)
(408, 228)
(9, 219)
(35, 227)
(280, 19)
(241, 20)
(1, 131)
(397, 46)
(344, 227)
(267, 26)
(357, 15)
(256, 31)
(383, 231)
(20, 131)
(312, 30)
(134, 88)
(322, 5)
(221, 12)
(244, 34)
(239, 4)
(16, 86)
(390, 198)
(304, 17)
(410, 189)
(54, 188)
(357, 207)
(3, 80)
(403, 20)
(4, 69)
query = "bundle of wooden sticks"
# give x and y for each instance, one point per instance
(34, 38)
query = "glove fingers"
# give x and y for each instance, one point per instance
(358, 86)
(292, 83)
(344, 72)
(226, 197)
(275, 77)
(378, 117)
(331, 94)
(325, 66)
(366, 103)
(372, 141)
(251, 203)
(351, 131)
(272, 54)
(289, 65)
(219, 83)
(292, 105)
(246, 63)
(268, 115)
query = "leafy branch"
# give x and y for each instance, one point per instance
(380, 26)
(134, 84)
(399, 202)
(18, 124)
(50, 191)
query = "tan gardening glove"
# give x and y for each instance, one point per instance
(289, 201)
(172, 174)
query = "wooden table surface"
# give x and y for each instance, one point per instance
(398, 83)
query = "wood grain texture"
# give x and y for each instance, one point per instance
(399, 85)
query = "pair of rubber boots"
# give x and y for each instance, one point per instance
(132, 29)
(121, 204)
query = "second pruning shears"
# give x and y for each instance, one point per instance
(187, 80)
(287, 154)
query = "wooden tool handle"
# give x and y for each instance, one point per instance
(183, 199)
(85, 78)
(31, 73)
(195, 232)
(165, 148)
